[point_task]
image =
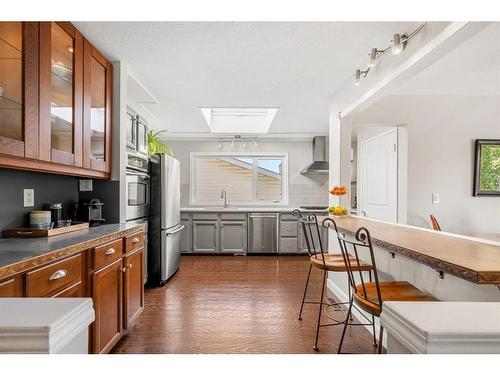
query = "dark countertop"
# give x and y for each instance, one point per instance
(20, 251)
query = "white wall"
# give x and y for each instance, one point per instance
(441, 132)
(303, 190)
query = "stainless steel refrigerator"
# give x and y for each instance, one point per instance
(165, 220)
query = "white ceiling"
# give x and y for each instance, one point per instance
(473, 68)
(295, 66)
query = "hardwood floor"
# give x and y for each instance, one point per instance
(228, 304)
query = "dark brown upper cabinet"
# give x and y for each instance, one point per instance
(19, 89)
(55, 100)
(97, 82)
(61, 93)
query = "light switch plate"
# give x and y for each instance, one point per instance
(29, 198)
(85, 185)
(435, 198)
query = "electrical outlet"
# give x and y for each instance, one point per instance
(85, 185)
(29, 198)
(435, 198)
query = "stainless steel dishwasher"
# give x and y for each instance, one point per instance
(263, 233)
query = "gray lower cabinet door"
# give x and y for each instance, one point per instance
(186, 246)
(205, 237)
(289, 245)
(233, 237)
(324, 241)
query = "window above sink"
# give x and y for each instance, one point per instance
(248, 178)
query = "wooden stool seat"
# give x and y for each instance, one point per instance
(390, 291)
(335, 263)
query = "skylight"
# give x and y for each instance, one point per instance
(239, 120)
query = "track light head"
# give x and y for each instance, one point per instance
(397, 45)
(373, 58)
(219, 144)
(255, 142)
(357, 77)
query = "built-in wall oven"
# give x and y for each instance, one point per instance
(138, 197)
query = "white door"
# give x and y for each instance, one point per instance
(379, 176)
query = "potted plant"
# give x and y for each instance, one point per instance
(156, 146)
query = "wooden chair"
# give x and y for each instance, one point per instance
(368, 295)
(325, 262)
(435, 224)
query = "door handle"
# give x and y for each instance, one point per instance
(177, 230)
(135, 240)
(110, 251)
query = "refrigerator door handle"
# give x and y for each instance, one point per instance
(177, 230)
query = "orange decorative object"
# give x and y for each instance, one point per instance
(338, 190)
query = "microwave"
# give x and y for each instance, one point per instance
(137, 133)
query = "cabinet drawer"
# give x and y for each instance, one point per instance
(235, 216)
(288, 228)
(43, 281)
(106, 253)
(287, 216)
(12, 287)
(72, 291)
(289, 245)
(205, 216)
(134, 241)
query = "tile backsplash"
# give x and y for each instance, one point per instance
(313, 194)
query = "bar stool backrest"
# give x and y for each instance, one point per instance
(352, 249)
(312, 234)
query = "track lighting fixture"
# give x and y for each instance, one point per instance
(397, 46)
(235, 140)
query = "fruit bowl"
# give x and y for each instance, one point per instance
(338, 211)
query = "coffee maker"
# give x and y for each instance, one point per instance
(89, 210)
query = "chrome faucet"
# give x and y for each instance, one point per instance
(224, 195)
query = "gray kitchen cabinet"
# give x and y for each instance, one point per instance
(233, 237)
(324, 236)
(205, 236)
(186, 236)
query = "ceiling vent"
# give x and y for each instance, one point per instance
(239, 120)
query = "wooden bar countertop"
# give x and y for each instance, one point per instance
(468, 258)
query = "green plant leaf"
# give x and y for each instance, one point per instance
(156, 146)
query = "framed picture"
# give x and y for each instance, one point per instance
(487, 167)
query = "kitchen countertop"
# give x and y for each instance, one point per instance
(20, 254)
(469, 258)
(245, 209)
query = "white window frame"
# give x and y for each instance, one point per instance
(254, 155)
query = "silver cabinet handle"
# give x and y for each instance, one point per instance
(135, 240)
(110, 251)
(130, 265)
(124, 269)
(59, 274)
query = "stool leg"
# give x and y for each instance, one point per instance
(346, 322)
(381, 335)
(315, 347)
(305, 292)
(374, 334)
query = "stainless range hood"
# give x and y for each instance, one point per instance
(319, 166)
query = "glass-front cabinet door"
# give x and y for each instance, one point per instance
(96, 110)
(61, 90)
(18, 89)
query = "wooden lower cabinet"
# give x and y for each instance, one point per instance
(133, 290)
(12, 287)
(107, 295)
(111, 273)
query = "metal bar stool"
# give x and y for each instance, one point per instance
(369, 296)
(326, 262)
